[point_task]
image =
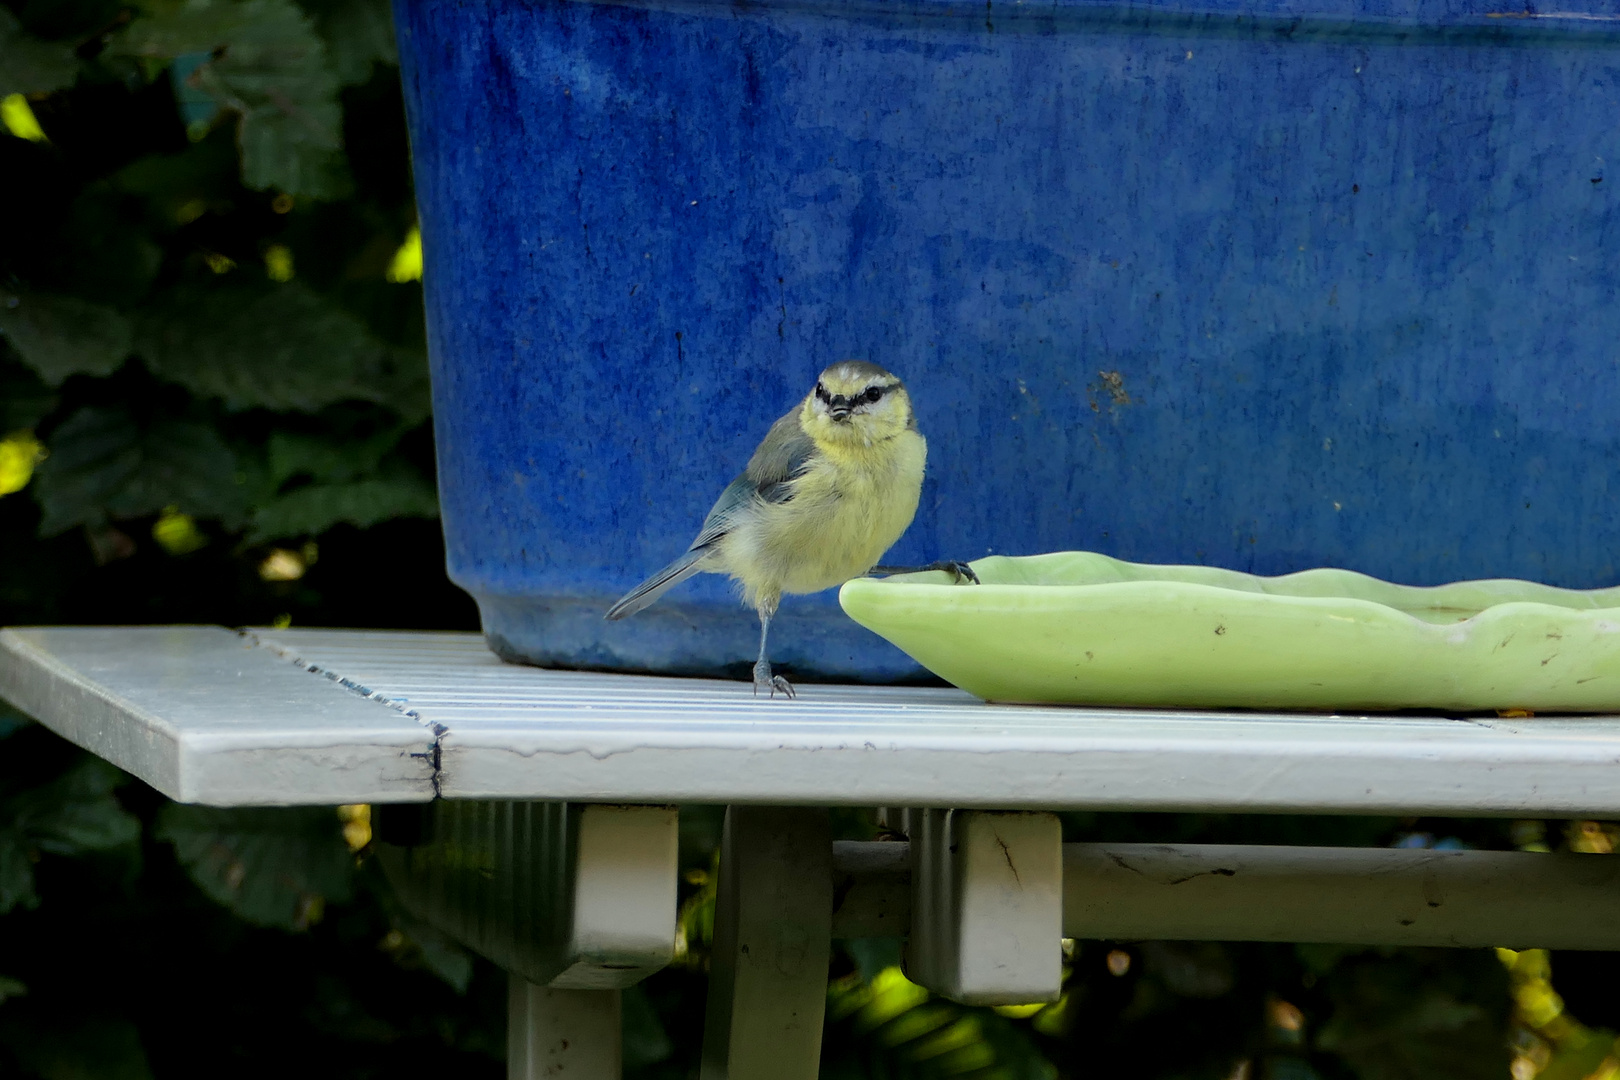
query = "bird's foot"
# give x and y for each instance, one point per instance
(764, 680)
(960, 570)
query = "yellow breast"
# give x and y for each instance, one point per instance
(848, 508)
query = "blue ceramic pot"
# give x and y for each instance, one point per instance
(1265, 285)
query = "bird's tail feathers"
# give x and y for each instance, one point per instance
(648, 592)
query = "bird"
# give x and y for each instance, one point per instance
(828, 490)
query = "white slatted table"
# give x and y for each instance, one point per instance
(540, 774)
(208, 715)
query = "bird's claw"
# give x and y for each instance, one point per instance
(772, 683)
(958, 570)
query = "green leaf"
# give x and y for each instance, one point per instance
(1415, 1016)
(889, 1026)
(16, 872)
(311, 510)
(326, 460)
(24, 399)
(358, 34)
(645, 1042)
(59, 336)
(204, 173)
(273, 867)
(103, 465)
(270, 67)
(99, 253)
(421, 944)
(276, 347)
(31, 66)
(76, 812)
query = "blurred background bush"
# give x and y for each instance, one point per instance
(214, 408)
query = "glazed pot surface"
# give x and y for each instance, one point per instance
(1264, 286)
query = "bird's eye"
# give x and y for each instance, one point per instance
(872, 394)
(821, 392)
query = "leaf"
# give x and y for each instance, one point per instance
(205, 174)
(270, 67)
(419, 942)
(272, 866)
(358, 34)
(31, 66)
(102, 465)
(77, 811)
(312, 510)
(276, 347)
(98, 253)
(24, 399)
(59, 336)
(12, 721)
(326, 460)
(890, 1026)
(16, 873)
(1411, 1016)
(645, 1042)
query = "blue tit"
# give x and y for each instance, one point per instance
(833, 485)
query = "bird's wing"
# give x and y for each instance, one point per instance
(779, 460)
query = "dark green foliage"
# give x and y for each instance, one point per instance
(278, 347)
(59, 336)
(28, 65)
(195, 318)
(68, 815)
(266, 63)
(104, 465)
(1417, 1014)
(272, 867)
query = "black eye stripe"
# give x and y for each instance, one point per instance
(870, 396)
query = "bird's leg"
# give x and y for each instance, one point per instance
(762, 666)
(961, 570)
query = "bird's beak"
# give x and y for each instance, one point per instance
(839, 413)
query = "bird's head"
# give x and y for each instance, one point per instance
(856, 402)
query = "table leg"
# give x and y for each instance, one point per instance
(568, 1034)
(772, 941)
(986, 905)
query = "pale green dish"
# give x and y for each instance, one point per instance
(1081, 628)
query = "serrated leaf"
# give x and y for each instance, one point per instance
(103, 465)
(31, 66)
(276, 347)
(270, 67)
(311, 510)
(77, 811)
(59, 336)
(358, 34)
(272, 866)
